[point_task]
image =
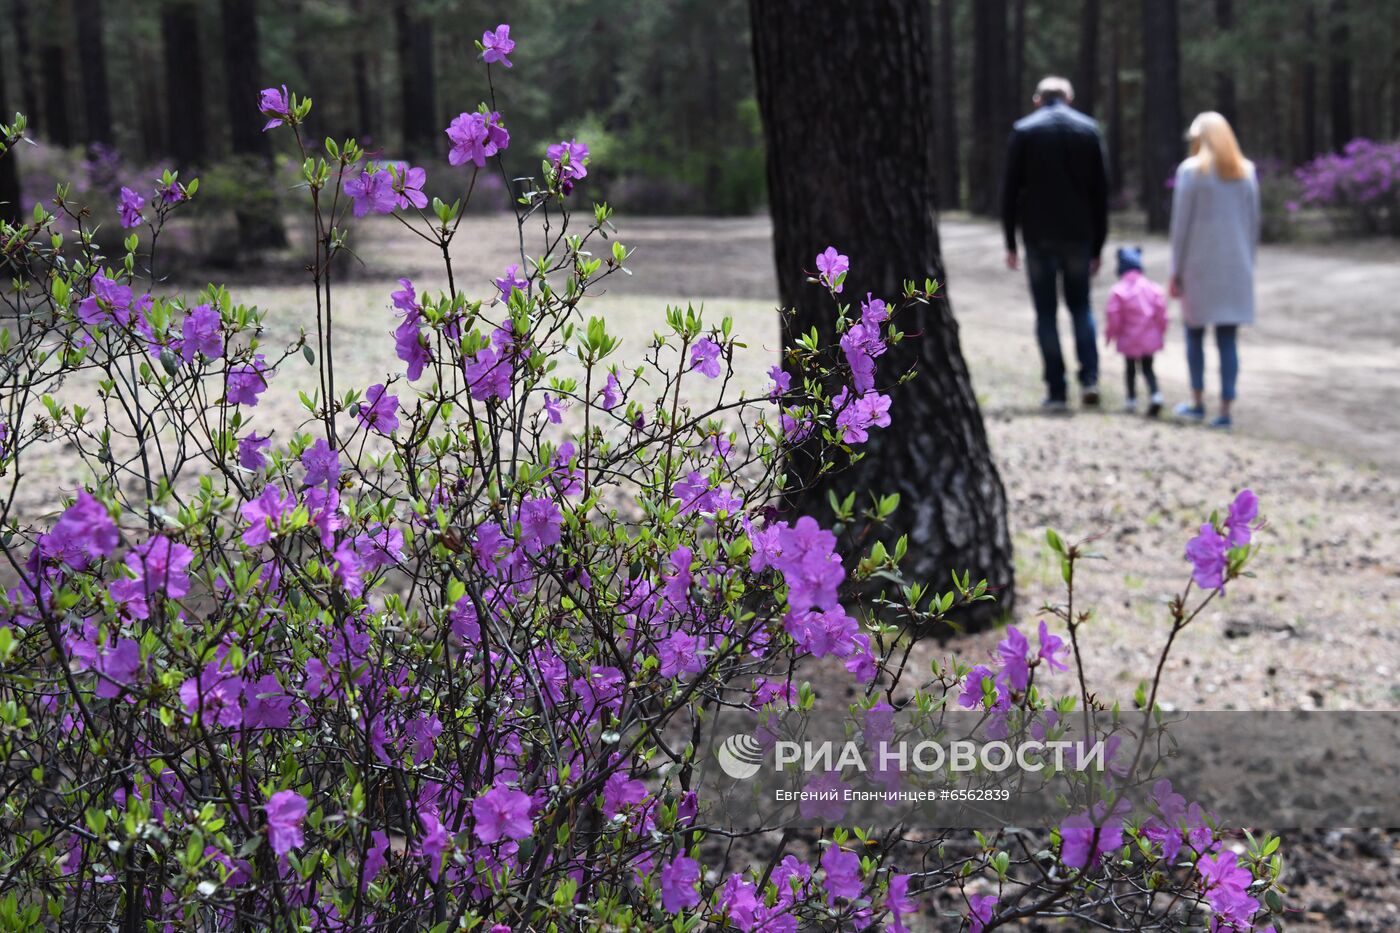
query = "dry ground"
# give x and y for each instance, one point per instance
(1318, 439)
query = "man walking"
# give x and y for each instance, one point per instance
(1056, 191)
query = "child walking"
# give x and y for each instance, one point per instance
(1137, 321)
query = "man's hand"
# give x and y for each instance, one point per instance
(1175, 288)
(1013, 261)
(1094, 265)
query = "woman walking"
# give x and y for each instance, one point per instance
(1215, 236)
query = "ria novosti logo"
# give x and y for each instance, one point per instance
(740, 756)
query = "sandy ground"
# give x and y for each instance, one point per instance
(1317, 437)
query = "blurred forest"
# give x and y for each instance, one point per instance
(662, 91)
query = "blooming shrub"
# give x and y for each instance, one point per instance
(414, 663)
(1362, 182)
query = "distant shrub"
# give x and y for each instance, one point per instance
(1359, 187)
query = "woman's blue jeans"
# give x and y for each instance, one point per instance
(1226, 340)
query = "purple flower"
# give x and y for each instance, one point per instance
(108, 301)
(553, 409)
(1207, 554)
(379, 411)
(436, 840)
(285, 811)
(476, 137)
(1082, 844)
(1050, 645)
(511, 280)
(202, 334)
(496, 45)
(372, 191)
(811, 569)
(266, 705)
(983, 907)
(1013, 651)
(322, 464)
(214, 695)
(162, 566)
(348, 568)
(1243, 511)
(540, 525)
(972, 696)
(488, 375)
(873, 311)
(678, 878)
(502, 813)
(612, 393)
(856, 417)
(250, 451)
(408, 187)
(570, 160)
(83, 532)
(621, 792)
(246, 382)
(832, 268)
(704, 356)
(782, 382)
(899, 903)
(1226, 884)
(264, 514)
(842, 874)
(129, 206)
(276, 104)
(116, 665)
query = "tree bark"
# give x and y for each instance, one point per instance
(417, 80)
(1339, 76)
(92, 71)
(11, 211)
(184, 84)
(990, 119)
(1161, 105)
(1226, 100)
(1086, 82)
(56, 126)
(949, 175)
(872, 195)
(259, 226)
(1116, 185)
(1310, 85)
(24, 58)
(1016, 85)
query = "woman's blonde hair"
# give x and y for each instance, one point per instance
(1215, 148)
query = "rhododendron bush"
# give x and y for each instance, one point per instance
(417, 661)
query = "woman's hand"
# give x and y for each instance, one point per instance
(1175, 288)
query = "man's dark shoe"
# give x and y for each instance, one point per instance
(1155, 409)
(1090, 398)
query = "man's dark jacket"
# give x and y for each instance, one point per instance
(1056, 187)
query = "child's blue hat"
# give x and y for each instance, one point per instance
(1129, 258)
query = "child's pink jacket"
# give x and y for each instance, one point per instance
(1136, 315)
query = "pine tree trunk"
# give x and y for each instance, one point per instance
(872, 195)
(946, 112)
(257, 228)
(1016, 85)
(24, 58)
(1161, 104)
(10, 209)
(1116, 182)
(417, 80)
(92, 70)
(991, 124)
(1225, 96)
(1339, 76)
(1310, 86)
(56, 126)
(184, 84)
(1086, 85)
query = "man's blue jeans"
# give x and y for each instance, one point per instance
(1046, 264)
